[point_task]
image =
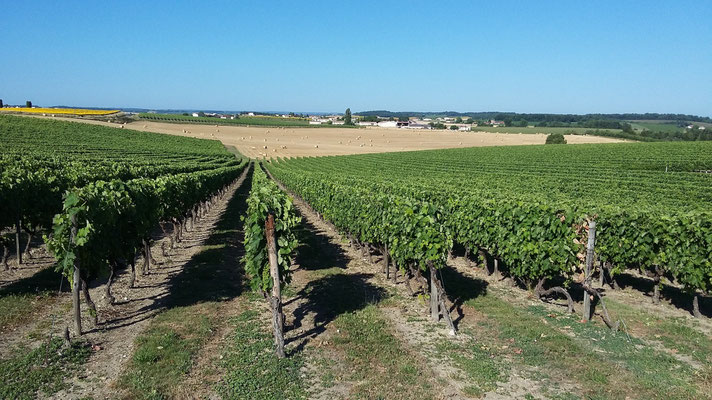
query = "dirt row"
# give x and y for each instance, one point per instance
(112, 340)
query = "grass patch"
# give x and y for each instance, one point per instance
(20, 300)
(42, 370)
(380, 365)
(603, 364)
(164, 353)
(656, 127)
(482, 368)
(253, 369)
(321, 273)
(674, 333)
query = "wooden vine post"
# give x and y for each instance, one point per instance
(434, 304)
(17, 239)
(276, 298)
(386, 261)
(589, 268)
(76, 280)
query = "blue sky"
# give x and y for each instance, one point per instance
(523, 56)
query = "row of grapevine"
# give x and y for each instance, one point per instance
(411, 233)
(243, 120)
(105, 224)
(98, 193)
(42, 159)
(270, 243)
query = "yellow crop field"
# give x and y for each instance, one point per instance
(64, 111)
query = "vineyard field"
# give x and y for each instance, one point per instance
(427, 266)
(243, 120)
(58, 111)
(529, 208)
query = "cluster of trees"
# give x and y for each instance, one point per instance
(347, 117)
(538, 118)
(555, 138)
(687, 135)
(652, 136)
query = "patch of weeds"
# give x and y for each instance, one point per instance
(377, 361)
(481, 367)
(605, 365)
(41, 330)
(327, 369)
(320, 273)
(41, 370)
(564, 396)
(253, 369)
(655, 370)
(164, 352)
(674, 333)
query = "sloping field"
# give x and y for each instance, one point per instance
(58, 111)
(298, 142)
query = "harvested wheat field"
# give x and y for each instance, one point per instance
(262, 142)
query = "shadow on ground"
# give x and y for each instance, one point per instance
(213, 274)
(460, 288)
(333, 292)
(316, 251)
(328, 297)
(44, 281)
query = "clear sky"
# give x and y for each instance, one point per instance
(525, 56)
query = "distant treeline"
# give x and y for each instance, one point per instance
(651, 136)
(563, 119)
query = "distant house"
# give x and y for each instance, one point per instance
(314, 122)
(367, 123)
(496, 123)
(388, 124)
(464, 128)
(250, 114)
(195, 114)
(702, 128)
(417, 126)
(690, 126)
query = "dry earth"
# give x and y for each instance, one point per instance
(298, 142)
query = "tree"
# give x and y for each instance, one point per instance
(458, 120)
(1, 105)
(454, 127)
(28, 104)
(347, 117)
(201, 114)
(555, 138)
